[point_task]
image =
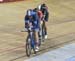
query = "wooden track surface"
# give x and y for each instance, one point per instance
(61, 27)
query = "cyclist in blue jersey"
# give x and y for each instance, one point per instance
(32, 23)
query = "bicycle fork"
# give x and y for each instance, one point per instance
(32, 40)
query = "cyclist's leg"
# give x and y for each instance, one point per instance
(45, 28)
(36, 38)
(40, 31)
(45, 24)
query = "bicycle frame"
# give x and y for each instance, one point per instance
(31, 37)
(30, 43)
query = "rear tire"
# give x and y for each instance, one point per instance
(43, 33)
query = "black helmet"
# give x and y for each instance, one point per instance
(35, 9)
(43, 4)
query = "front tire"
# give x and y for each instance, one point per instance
(28, 47)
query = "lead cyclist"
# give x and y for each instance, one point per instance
(31, 21)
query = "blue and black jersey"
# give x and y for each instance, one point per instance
(34, 20)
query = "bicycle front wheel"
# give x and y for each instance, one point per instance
(28, 47)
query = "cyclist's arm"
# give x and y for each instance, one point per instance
(26, 22)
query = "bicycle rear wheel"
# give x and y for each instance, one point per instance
(43, 33)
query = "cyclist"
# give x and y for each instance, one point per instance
(31, 21)
(45, 12)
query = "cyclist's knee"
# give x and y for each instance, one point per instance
(36, 34)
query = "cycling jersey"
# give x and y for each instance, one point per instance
(40, 15)
(34, 21)
(45, 12)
